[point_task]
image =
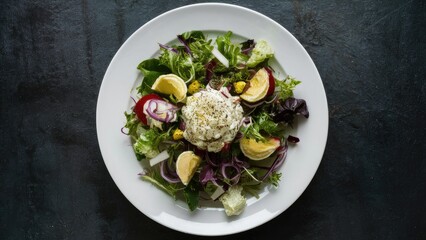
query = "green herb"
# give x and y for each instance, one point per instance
(274, 178)
(285, 87)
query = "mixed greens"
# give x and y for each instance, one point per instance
(238, 72)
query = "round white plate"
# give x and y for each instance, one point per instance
(122, 76)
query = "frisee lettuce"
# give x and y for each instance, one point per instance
(149, 140)
(285, 87)
(263, 125)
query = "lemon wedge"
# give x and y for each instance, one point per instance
(171, 84)
(258, 150)
(258, 88)
(186, 166)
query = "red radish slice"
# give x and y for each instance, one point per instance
(139, 107)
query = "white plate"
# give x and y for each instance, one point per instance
(122, 75)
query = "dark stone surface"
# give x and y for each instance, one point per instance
(371, 183)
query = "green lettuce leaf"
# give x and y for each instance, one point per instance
(260, 53)
(149, 140)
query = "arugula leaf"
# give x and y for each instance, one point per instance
(285, 87)
(151, 69)
(192, 195)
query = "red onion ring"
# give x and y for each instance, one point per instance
(167, 173)
(232, 179)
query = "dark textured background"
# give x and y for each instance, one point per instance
(371, 183)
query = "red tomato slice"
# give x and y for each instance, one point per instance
(138, 109)
(271, 88)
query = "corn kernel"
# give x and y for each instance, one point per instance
(177, 134)
(194, 87)
(239, 86)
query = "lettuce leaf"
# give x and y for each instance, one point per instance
(149, 140)
(180, 64)
(260, 53)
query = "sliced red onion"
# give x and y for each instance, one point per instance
(273, 99)
(123, 132)
(168, 48)
(212, 160)
(238, 136)
(278, 162)
(232, 179)
(185, 44)
(161, 110)
(239, 163)
(253, 105)
(167, 173)
(245, 122)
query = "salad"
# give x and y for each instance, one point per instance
(212, 119)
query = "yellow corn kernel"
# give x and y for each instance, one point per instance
(239, 86)
(194, 87)
(177, 134)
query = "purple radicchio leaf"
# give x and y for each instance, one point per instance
(292, 139)
(209, 69)
(207, 174)
(289, 109)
